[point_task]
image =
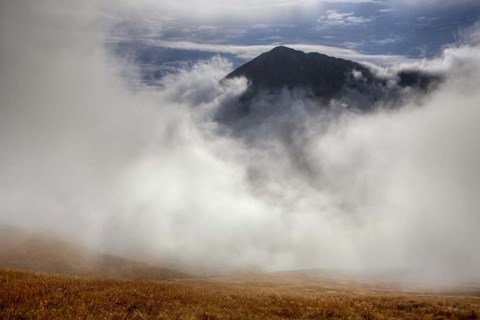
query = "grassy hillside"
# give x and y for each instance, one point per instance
(76, 283)
(25, 295)
(24, 250)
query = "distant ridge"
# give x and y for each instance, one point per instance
(25, 250)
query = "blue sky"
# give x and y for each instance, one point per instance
(165, 35)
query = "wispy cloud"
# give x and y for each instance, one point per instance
(334, 18)
(386, 41)
(248, 52)
(470, 35)
(386, 10)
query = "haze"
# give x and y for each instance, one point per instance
(93, 153)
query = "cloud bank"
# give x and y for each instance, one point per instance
(248, 52)
(148, 172)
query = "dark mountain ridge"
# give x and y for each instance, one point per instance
(283, 67)
(324, 78)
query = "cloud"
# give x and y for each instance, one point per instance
(334, 18)
(469, 35)
(149, 172)
(154, 15)
(248, 52)
(432, 2)
(307, 22)
(387, 10)
(391, 40)
(214, 10)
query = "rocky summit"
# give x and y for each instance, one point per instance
(323, 77)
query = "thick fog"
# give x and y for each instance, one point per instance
(148, 171)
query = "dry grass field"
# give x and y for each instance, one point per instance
(42, 277)
(28, 295)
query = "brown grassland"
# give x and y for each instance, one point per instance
(21, 249)
(29, 295)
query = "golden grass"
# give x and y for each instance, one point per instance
(26, 295)
(21, 249)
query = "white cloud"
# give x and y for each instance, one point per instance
(430, 2)
(334, 18)
(249, 52)
(387, 10)
(226, 11)
(390, 40)
(214, 10)
(85, 156)
(470, 35)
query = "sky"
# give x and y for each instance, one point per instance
(94, 155)
(412, 29)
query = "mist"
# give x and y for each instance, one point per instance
(150, 173)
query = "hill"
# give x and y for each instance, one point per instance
(37, 252)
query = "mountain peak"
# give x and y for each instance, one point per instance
(324, 78)
(283, 49)
(284, 67)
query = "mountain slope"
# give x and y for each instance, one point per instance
(283, 67)
(24, 250)
(324, 78)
